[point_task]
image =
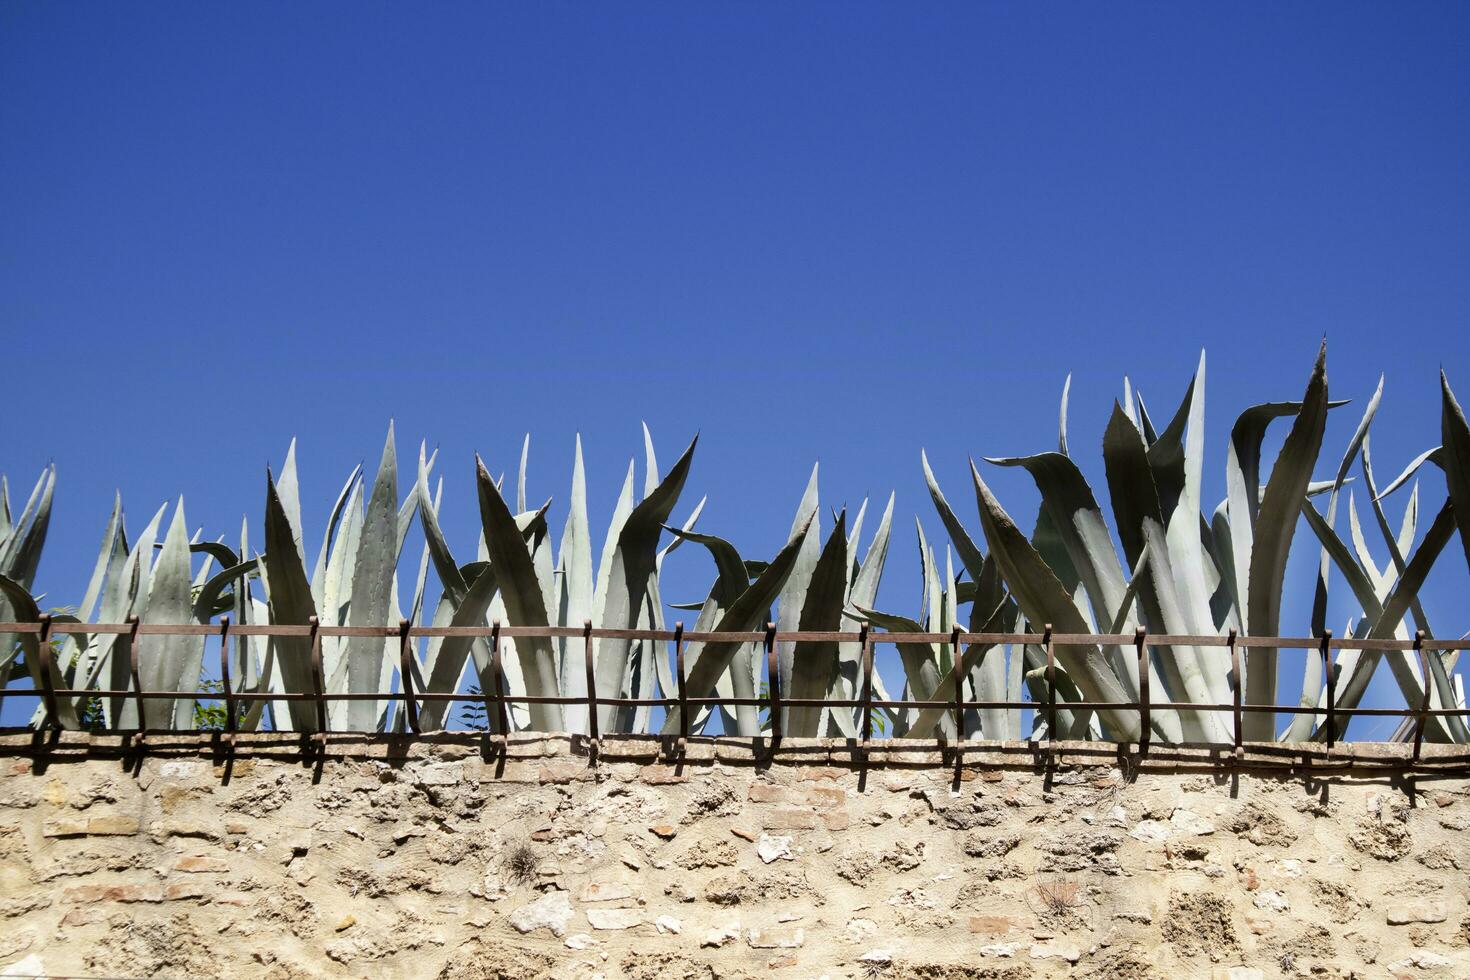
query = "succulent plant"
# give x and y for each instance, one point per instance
(1175, 568)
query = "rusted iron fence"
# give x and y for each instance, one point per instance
(496, 701)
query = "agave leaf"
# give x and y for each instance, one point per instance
(688, 525)
(1225, 604)
(445, 567)
(731, 582)
(930, 588)
(405, 516)
(1043, 599)
(731, 579)
(1359, 577)
(210, 600)
(1047, 540)
(1135, 506)
(1015, 669)
(421, 581)
(989, 672)
(333, 523)
(1435, 456)
(1275, 524)
(1062, 427)
(525, 604)
(865, 585)
(1166, 450)
(1455, 458)
(1380, 580)
(289, 488)
(111, 559)
(793, 594)
(921, 668)
(22, 552)
(814, 664)
(1396, 551)
(1084, 533)
(1319, 599)
(1145, 423)
(1387, 623)
(970, 555)
(648, 655)
(863, 592)
(521, 477)
(372, 588)
(710, 660)
(578, 590)
(1312, 675)
(634, 574)
(23, 608)
(970, 658)
(1371, 598)
(125, 591)
(173, 662)
(444, 673)
(621, 509)
(1191, 667)
(650, 460)
(855, 533)
(334, 599)
(105, 557)
(1409, 526)
(291, 604)
(536, 530)
(1195, 576)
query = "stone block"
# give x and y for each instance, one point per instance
(614, 919)
(202, 865)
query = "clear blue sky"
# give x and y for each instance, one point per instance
(815, 231)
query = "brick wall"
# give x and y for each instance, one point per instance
(423, 858)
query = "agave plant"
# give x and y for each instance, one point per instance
(812, 583)
(1180, 573)
(21, 541)
(516, 582)
(1156, 560)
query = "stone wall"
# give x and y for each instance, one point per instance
(424, 858)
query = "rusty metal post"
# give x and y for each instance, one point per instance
(1236, 694)
(1423, 718)
(318, 680)
(682, 684)
(1145, 709)
(497, 676)
(594, 738)
(1051, 685)
(959, 689)
(867, 654)
(1331, 683)
(135, 669)
(773, 668)
(227, 683)
(405, 670)
(45, 665)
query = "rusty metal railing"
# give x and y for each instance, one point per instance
(498, 700)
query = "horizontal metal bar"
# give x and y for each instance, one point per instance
(1058, 639)
(668, 702)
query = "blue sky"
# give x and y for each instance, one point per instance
(818, 231)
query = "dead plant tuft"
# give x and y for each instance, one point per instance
(1056, 899)
(522, 863)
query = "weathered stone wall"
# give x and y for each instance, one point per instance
(423, 858)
